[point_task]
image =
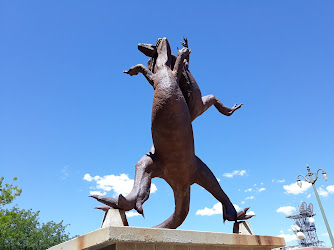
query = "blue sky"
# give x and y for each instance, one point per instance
(68, 111)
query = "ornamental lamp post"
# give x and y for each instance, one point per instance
(312, 178)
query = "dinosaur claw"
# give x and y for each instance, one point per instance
(95, 196)
(139, 209)
(243, 216)
(248, 217)
(104, 208)
(111, 202)
(185, 42)
(224, 212)
(123, 203)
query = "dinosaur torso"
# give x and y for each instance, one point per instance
(171, 124)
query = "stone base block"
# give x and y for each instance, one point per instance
(114, 217)
(242, 227)
(121, 238)
(315, 248)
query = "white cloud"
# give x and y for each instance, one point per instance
(131, 214)
(330, 189)
(216, 209)
(281, 231)
(235, 172)
(119, 184)
(87, 177)
(249, 197)
(153, 188)
(251, 189)
(322, 192)
(293, 188)
(237, 207)
(308, 196)
(288, 237)
(65, 173)
(278, 181)
(288, 210)
(97, 193)
(325, 234)
(243, 202)
(261, 183)
(250, 213)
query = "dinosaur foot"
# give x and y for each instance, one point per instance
(230, 214)
(111, 202)
(243, 216)
(139, 208)
(104, 208)
(126, 204)
(120, 203)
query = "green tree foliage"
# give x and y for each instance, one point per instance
(8, 192)
(21, 229)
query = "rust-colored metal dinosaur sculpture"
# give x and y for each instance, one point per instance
(172, 157)
(192, 94)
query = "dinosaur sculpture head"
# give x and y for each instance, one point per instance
(151, 51)
(147, 49)
(164, 53)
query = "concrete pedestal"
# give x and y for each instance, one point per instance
(114, 217)
(242, 227)
(122, 238)
(315, 248)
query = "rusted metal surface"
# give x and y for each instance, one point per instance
(177, 102)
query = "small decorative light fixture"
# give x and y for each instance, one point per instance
(312, 178)
(324, 175)
(295, 228)
(300, 235)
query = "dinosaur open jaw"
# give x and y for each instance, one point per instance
(147, 49)
(164, 53)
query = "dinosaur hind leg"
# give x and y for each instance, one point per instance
(206, 179)
(140, 191)
(142, 183)
(182, 200)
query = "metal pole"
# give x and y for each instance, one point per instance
(323, 215)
